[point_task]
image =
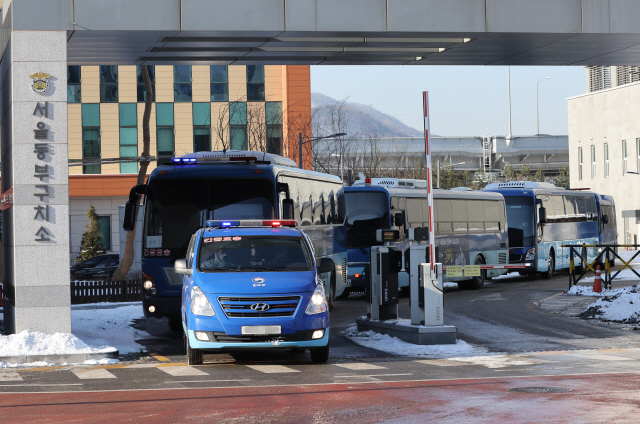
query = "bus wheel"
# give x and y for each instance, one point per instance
(345, 294)
(478, 282)
(552, 264)
(331, 294)
(194, 356)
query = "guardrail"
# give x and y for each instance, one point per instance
(95, 291)
(604, 251)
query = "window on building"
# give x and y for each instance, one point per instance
(638, 155)
(606, 160)
(73, 84)
(91, 137)
(182, 83)
(105, 231)
(255, 83)
(165, 134)
(128, 137)
(580, 163)
(273, 111)
(624, 157)
(152, 76)
(202, 127)
(238, 125)
(108, 84)
(593, 161)
(219, 83)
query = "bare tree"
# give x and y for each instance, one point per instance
(127, 257)
(221, 129)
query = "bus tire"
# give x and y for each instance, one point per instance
(194, 356)
(331, 293)
(552, 264)
(320, 354)
(345, 294)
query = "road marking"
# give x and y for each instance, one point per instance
(599, 356)
(370, 375)
(40, 385)
(142, 366)
(272, 369)
(205, 381)
(489, 298)
(442, 362)
(360, 366)
(93, 374)
(10, 376)
(498, 361)
(159, 357)
(182, 371)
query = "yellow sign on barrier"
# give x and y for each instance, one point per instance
(454, 270)
(472, 271)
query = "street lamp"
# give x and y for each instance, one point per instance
(537, 107)
(300, 143)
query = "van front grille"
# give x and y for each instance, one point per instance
(276, 306)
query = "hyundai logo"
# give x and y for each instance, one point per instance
(258, 280)
(260, 307)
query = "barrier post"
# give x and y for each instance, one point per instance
(571, 269)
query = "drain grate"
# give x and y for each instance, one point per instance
(540, 390)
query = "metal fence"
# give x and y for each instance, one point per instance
(105, 291)
(607, 254)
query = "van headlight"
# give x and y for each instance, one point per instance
(530, 255)
(317, 303)
(200, 304)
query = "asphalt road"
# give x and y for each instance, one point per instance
(547, 355)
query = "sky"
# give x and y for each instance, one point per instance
(463, 100)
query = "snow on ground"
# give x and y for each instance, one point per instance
(619, 305)
(393, 345)
(93, 331)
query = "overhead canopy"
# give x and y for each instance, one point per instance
(334, 32)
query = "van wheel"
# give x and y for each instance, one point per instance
(320, 354)
(552, 265)
(194, 356)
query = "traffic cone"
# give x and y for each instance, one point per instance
(597, 282)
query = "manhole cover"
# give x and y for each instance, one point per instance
(540, 390)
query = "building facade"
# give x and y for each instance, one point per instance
(195, 108)
(604, 146)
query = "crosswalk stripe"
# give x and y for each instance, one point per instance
(142, 365)
(272, 369)
(10, 376)
(360, 366)
(599, 356)
(442, 362)
(95, 373)
(182, 371)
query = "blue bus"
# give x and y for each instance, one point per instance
(181, 196)
(471, 227)
(543, 217)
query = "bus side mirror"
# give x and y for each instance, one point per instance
(129, 221)
(605, 219)
(287, 209)
(542, 215)
(180, 267)
(325, 265)
(398, 219)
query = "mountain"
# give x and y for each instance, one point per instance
(362, 119)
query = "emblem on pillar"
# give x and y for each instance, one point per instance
(40, 82)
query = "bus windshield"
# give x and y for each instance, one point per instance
(520, 216)
(255, 253)
(366, 213)
(175, 209)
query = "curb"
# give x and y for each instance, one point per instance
(58, 359)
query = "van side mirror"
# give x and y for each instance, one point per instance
(325, 265)
(605, 219)
(542, 215)
(287, 209)
(180, 267)
(398, 219)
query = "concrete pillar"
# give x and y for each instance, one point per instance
(35, 182)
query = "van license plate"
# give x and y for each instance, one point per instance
(261, 329)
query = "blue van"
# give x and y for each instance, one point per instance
(253, 284)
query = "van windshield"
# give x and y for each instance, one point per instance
(254, 253)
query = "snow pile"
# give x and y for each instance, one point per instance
(94, 331)
(588, 291)
(621, 306)
(393, 345)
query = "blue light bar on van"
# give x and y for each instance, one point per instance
(251, 223)
(183, 160)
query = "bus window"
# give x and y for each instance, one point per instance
(520, 217)
(582, 208)
(368, 212)
(570, 209)
(459, 211)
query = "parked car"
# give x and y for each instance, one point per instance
(98, 267)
